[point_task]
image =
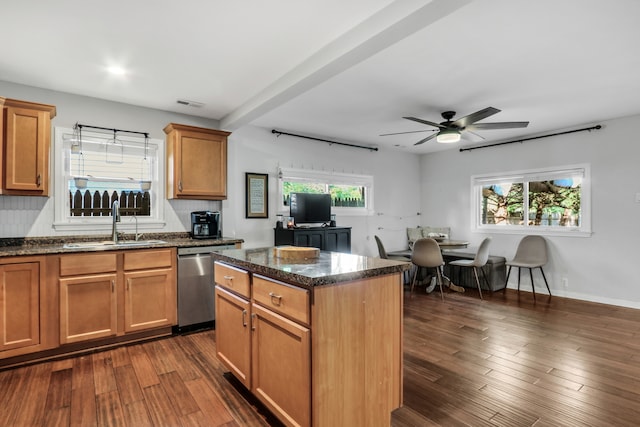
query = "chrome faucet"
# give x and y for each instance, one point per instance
(137, 235)
(115, 214)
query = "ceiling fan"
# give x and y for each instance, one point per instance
(450, 131)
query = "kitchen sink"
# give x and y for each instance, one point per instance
(111, 244)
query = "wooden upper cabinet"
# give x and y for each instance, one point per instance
(26, 132)
(196, 162)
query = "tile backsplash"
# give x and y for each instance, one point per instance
(22, 216)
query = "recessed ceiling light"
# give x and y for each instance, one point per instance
(118, 71)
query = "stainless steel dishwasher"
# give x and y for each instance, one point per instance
(196, 302)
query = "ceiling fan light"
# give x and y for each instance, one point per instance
(448, 136)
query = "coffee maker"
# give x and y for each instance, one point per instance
(205, 225)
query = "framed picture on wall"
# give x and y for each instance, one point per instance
(257, 195)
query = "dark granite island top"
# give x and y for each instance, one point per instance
(328, 268)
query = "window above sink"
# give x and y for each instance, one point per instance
(90, 175)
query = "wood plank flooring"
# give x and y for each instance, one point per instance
(511, 361)
(506, 361)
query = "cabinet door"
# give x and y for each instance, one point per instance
(149, 299)
(196, 162)
(87, 307)
(281, 363)
(233, 336)
(311, 239)
(28, 134)
(20, 305)
(338, 240)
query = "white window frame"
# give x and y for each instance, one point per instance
(583, 230)
(100, 224)
(324, 177)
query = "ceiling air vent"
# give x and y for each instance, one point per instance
(190, 103)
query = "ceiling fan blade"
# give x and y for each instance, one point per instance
(467, 131)
(411, 131)
(422, 141)
(425, 122)
(498, 125)
(474, 117)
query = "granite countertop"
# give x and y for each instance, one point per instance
(55, 245)
(329, 268)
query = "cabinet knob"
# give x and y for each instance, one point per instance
(253, 318)
(244, 318)
(39, 180)
(180, 185)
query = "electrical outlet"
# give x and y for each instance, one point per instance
(565, 282)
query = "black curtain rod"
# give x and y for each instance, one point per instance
(533, 137)
(146, 134)
(278, 132)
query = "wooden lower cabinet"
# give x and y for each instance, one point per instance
(88, 307)
(115, 293)
(20, 306)
(233, 334)
(59, 303)
(150, 299)
(281, 366)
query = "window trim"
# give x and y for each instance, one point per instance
(325, 177)
(61, 170)
(584, 230)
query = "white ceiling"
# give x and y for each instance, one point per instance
(341, 70)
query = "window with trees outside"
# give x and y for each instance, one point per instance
(544, 201)
(351, 194)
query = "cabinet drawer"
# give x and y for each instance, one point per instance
(73, 265)
(287, 300)
(232, 278)
(144, 259)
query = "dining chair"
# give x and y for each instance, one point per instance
(426, 253)
(531, 253)
(479, 261)
(382, 253)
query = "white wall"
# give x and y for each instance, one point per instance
(33, 216)
(396, 174)
(598, 268)
(396, 186)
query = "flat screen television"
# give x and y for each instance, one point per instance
(309, 208)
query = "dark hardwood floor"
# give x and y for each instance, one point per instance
(511, 361)
(505, 361)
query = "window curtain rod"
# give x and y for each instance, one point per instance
(596, 127)
(278, 133)
(81, 126)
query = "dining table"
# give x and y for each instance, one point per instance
(444, 244)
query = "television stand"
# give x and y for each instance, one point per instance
(335, 239)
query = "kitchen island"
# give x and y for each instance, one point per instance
(319, 340)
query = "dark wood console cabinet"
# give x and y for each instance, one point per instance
(335, 239)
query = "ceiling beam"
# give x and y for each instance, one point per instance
(392, 24)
